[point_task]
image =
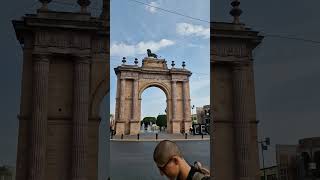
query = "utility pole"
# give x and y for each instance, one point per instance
(264, 147)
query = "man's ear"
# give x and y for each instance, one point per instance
(176, 159)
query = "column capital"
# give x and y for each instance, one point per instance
(41, 57)
(82, 59)
(240, 65)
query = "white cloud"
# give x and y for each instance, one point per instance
(123, 49)
(186, 29)
(152, 7)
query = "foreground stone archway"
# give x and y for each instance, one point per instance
(133, 80)
(234, 140)
(65, 77)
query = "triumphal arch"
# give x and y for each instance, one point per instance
(133, 79)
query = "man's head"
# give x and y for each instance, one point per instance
(168, 158)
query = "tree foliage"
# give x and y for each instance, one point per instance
(147, 120)
(162, 120)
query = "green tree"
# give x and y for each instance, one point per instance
(147, 120)
(194, 119)
(5, 171)
(162, 120)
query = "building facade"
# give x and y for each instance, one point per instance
(299, 162)
(308, 159)
(286, 156)
(269, 173)
(203, 114)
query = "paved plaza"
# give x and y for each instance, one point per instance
(161, 136)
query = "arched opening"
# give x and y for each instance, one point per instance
(154, 110)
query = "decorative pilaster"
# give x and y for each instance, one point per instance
(134, 100)
(122, 99)
(241, 93)
(174, 99)
(80, 118)
(39, 118)
(186, 102)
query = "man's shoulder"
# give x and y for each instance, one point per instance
(200, 176)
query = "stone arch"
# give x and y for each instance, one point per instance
(159, 85)
(165, 89)
(133, 80)
(99, 93)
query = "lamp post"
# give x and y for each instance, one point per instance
(192, 113)
(208, 117)
(264, 147)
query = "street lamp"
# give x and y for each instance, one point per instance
(264, 147)
(208, 119)
(192, 113)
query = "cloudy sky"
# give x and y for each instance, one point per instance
(136, 27)
(287, 71)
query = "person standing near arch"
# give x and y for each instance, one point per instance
(170, 161)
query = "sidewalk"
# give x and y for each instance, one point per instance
(161, 136)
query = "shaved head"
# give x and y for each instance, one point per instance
(164, 151)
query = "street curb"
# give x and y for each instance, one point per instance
(155, 140)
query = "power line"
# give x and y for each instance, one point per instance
(180, 14)
(292, 38)
(170, 11)
(266, 34)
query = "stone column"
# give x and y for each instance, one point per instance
(241, 119)
(134, 100)
(39, 118)
(134, 122)
(117, 110)
(80, 118)
(186, 106)
(174, 99)
(121, 125)
(122, 99)
(175, 126)
(186, 101)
